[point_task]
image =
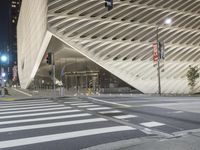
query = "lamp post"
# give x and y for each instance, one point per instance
(168, 21)
(3, 59)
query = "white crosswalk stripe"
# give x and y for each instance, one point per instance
(88, 106)
(110, 112)
(24, 101)
(80, 104)
(99, 108)
(35, 110)
(45, 118)
(61, 136)
(25, 108)
(26, 105)
(152, 124)
(125, 116)
(37, 114)
(47, 125)
(75, 102)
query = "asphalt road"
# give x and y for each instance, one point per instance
(73, 123)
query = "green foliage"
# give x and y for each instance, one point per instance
(192, 76)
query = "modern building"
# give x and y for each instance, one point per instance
(81, 33)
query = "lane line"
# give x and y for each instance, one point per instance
(35, 110)
(152, 124)
(28, 108)
(38, 114)
(125, 116)
(89, 106)
(62, 136)
(48, 125)
(45, 118)
(99, 108)
(28, 105)
(27, 94)
(113, 103)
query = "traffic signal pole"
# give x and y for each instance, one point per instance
(50, 59)
(158, 63)
(54, 74)
(2, 82)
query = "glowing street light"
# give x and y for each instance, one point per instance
(4, 58)
(168, 21)
(3, 74)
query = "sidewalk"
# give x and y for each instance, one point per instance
(186, 142)
(14, 93)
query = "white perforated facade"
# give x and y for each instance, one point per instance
(119, 40)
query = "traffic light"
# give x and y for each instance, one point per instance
(109, 4)
(161, 50)
(49, 58)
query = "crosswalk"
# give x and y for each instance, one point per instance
(72, 123)
(46, 124)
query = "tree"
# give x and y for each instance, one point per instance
(192, 76)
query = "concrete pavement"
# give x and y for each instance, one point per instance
(186, 142)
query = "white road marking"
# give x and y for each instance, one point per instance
(125, 116)
(13, 106)
(45, 118)
(24, 103)
(88, 106)
(99, 108)
(152, 124)
(75, 102)
(37, 114)
(27, 94)
(113, 103)
(177, 112)
(110, 112)
(79, 104)
(34, 110)
(62, 136)
(48, 125)
(28, 108)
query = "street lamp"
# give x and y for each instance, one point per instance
(3, 74)
(3, 59)
(167, 21)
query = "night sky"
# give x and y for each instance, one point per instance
(4, 19)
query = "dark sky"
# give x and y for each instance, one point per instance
(4, 19)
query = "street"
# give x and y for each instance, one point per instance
(103, 122)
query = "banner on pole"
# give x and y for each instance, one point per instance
(155, 52)
(14, 69)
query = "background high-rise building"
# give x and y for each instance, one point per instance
(14, 13)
